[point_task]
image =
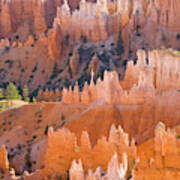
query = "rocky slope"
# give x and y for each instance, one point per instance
(50, 44)
(137, 103)
(113, 68)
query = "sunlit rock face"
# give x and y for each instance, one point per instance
(152, 75)
(95, 20)
(49, 30)
(89, 21)
(157, 157)
(52, 45)
(55, 42)
(91, 157)
(4, 165)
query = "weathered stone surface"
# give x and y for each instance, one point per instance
(55, 42)
(141, 81)
(115, 170)
(48, 95)
(63, 144)
(4, 163)
(158, 158)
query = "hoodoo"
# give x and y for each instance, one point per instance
(89, 89)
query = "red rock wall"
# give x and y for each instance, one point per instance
(48, 95)
(141, 81)
(94, 20)
(159, 158)
(63, 149)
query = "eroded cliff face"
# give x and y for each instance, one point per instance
(37, 16)
(115, 170)
(154, 73)
(48, 95)
(151, 102)
(51, 44)
(91, 157)
(156, 158)
(62, 149)
(26, 17)
(48, 32)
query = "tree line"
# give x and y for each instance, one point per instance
(12, 93)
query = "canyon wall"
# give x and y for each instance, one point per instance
(96, 21)
(63, 151)
(48, 95)
(158, 158)
(115, 171)
(115, 158)
(63, 148)
(26, 17)
(141, 82)
(46, 32)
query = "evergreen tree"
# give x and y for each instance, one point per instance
(27, 99)
(1, 94)
(12, 92)
(26, 93)
(120, 48)
(34, 100)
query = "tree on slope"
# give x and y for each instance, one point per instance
(26, 93)
(1, 94)
(120, 48)
(12, 92)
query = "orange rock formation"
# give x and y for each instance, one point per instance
(4, 163)
(63, 148)
(141, 82)
(48, 95)
(158, 158)
(50, 44)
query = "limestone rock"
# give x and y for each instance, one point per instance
(55, 41)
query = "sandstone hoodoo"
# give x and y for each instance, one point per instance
(89, 89)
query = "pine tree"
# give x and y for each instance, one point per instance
(34, 100)
(12, 92)
(120, 48)
(1, 94)
(26, 93)
(27, 99)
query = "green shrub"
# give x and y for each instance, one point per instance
(34, 69)
(58, 178)
(12, 92)
(120, 48)
(62, 117)
(28, 158)
(27, 99)
(34, 137)
(25, 93)
(81, 49)
(54, 72)
(1, 94)
(67, 37)
(34, 100)
(39, 121)
(46, 130)
(104, 58)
